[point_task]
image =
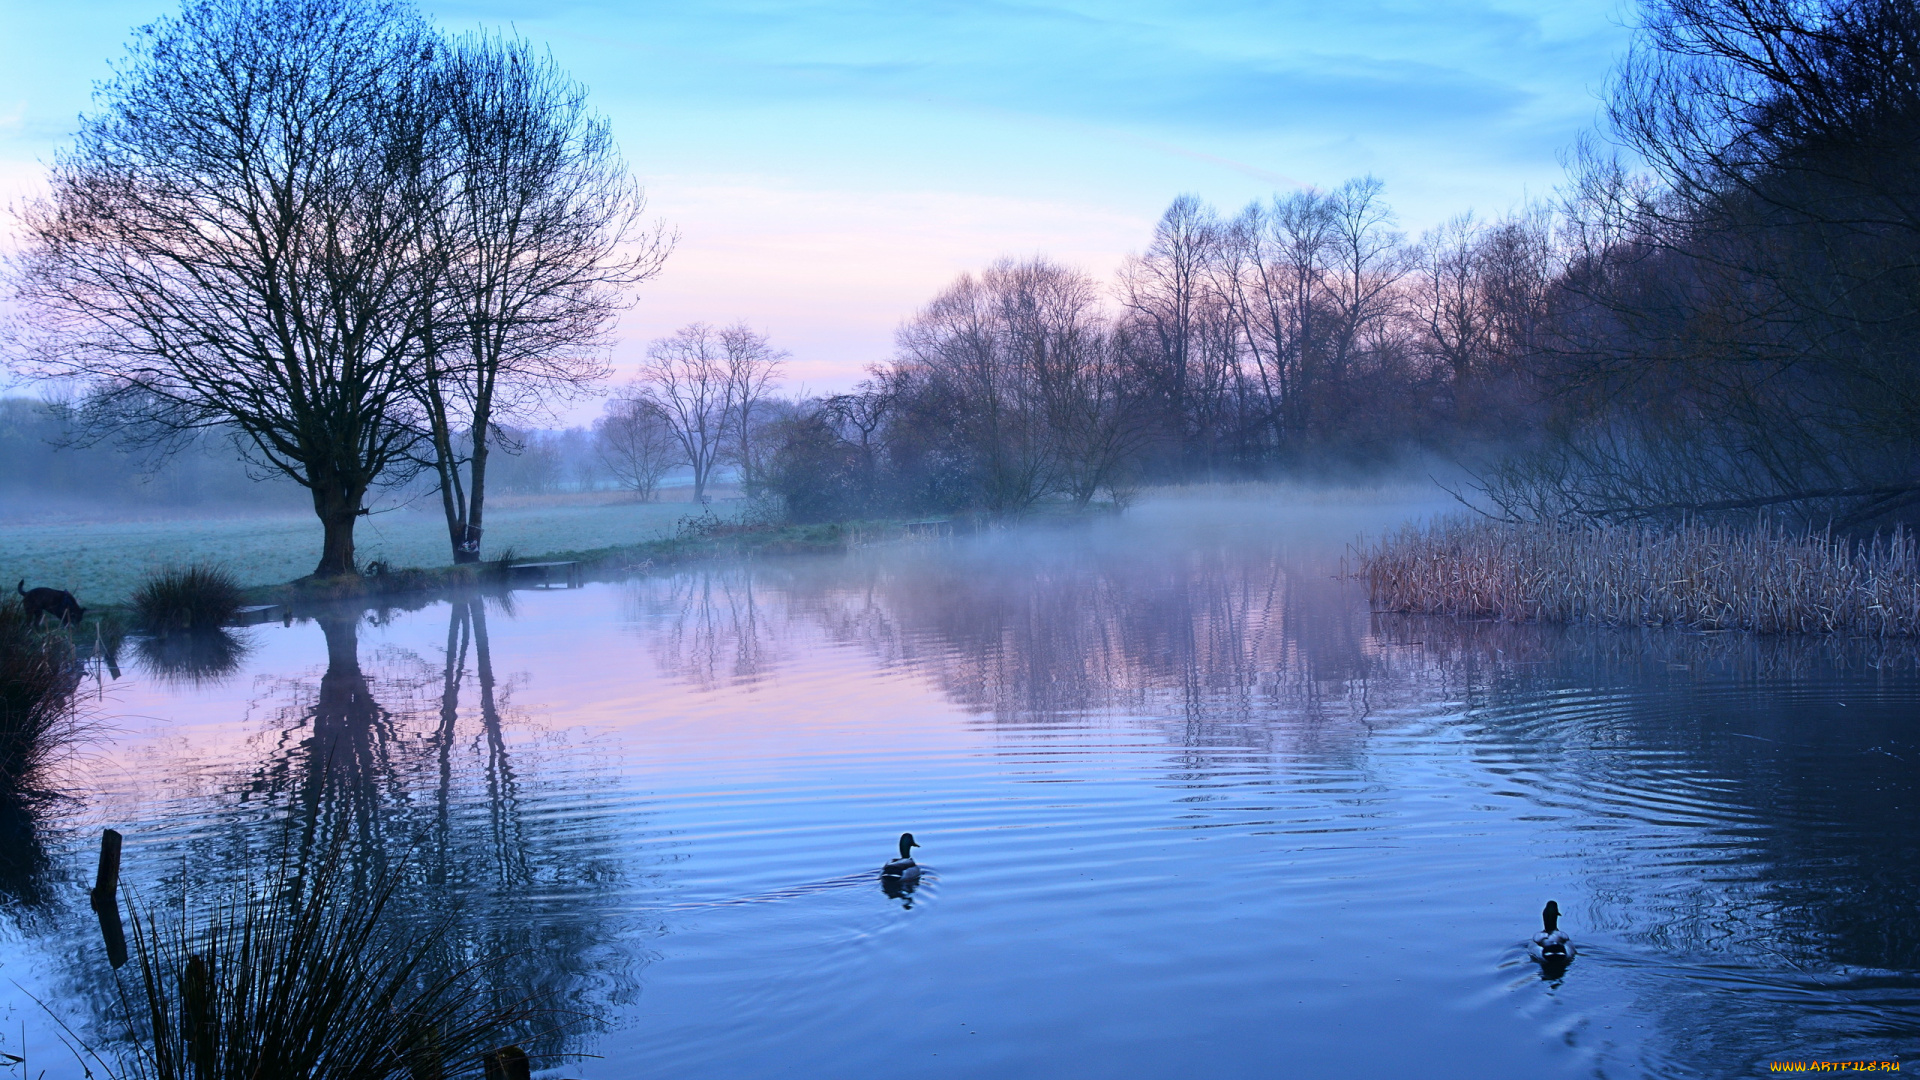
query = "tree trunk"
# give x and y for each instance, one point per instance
(476, 491)
(338, 512)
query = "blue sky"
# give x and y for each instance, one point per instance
(830, 165)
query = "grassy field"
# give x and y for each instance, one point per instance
(102, 562)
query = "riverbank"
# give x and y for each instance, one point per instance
(101, 562)
(697, 538)
(1700, 577)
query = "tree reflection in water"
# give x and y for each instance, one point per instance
(714, 628)
(388, 765)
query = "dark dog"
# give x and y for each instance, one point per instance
(43, 602)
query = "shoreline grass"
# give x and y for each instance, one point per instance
(1765, 580)
(302, 976)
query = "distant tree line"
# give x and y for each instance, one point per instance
(44, 478)
(1719, 316)
(1304, 332)
(45, 475)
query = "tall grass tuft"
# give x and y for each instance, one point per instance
(198, 597)
(296, 981)
(38, 724)
(37, 678)
(1767, 579)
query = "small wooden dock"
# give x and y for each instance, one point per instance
(257, 614)
(551, 575)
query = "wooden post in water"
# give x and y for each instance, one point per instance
(507, 1063)
(106, 899)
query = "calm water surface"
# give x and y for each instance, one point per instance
(1188, 808)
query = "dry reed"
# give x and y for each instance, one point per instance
(1766, 579)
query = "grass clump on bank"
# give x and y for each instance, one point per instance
(195, 598)
(1766, 579)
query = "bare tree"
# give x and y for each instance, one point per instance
(1271, 271)
(537, 229)
(1448, 296)
(636, 443)
(753, 370)
(686, 378)
(1056, 335)
(1478, 300)
(962, 348)
(1366, 261)
(232, 243)
(1177, 324)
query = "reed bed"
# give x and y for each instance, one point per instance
(1766, 579)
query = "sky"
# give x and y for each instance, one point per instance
(830, 165)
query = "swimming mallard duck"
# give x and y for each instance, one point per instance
(1550, 945)
(903, 866)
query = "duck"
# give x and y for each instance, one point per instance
(904, 866)
(1551, 945)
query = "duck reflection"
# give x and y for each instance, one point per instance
(900, 888)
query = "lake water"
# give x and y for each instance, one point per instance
(1187, 807)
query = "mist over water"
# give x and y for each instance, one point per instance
(1186, 805)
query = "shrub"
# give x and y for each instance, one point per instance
(198, 597)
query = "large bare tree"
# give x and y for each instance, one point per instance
(233, 241)
(537, 232)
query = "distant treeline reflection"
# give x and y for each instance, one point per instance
(1780, 767)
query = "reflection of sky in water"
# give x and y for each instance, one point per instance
(1188, 807)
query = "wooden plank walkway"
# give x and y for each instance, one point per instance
(568, 572)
